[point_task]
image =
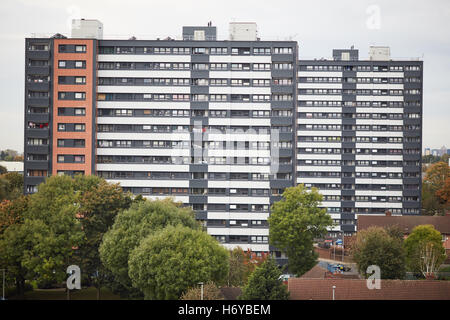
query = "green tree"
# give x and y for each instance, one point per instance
(238, 269)
(3, 169)
(169, 262)
(131, 226)
(424, 250)
(62, 223)
(375, 246)
(99, 203)
(55, 232)
(265, 283)
(430, 202)
(14, 242)
(14, 186)
(294, 223)
(4, 189)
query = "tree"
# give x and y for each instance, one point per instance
(238, 269)
(253, 261)
(62, 223)
(424, 250)
(294, 223)
(436, 189)
(4, 189)
(131, 226)
(242, 264)
(169, 262)
(265, 284)
(210, 292)
(14, 243)
(3, 170)
(14, 186)
(41, 245)
(443, 194)
(395, 231)
(374, 246)
(53, 228)
(430, 202)
(99, 203)
(12, 212)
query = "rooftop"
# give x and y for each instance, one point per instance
(355, 289)
(406, 223)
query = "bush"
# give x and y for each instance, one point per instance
(12, 291)
(210, 292)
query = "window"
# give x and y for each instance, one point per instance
(219, 50)
(80, 95)
(80, 111)
(261, 66)
(80, 127)
(181, 50)
(201, 50)
(61, 127)
(199, 35)
(61, 63)
(79, 143)
(80, 48)
(282, 66)
(78, 159)
(282, 50)
(80, 80)
(261, 50)
(80, 64)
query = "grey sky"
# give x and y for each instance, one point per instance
(413, 28)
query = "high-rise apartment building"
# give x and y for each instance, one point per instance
(211, 123)
(360, 134)
(225, 126)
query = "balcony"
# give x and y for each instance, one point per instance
(38, 70)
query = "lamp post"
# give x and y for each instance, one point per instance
(334, 250)
(334, 287)
(4, 270)
(201, 292)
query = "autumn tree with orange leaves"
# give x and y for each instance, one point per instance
(436, 189)
(242, 264)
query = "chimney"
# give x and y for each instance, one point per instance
(388, 213)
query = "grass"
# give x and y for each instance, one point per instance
(60, 294)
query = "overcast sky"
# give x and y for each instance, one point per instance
(414, 28)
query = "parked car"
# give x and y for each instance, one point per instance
(285, 277)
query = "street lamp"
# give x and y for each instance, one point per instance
(201, 294)
(4, 270)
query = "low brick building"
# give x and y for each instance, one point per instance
(408, 223)
(355, 289)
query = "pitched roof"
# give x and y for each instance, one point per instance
(231, 293)
(354, 289)
(317, 272)
(406, 223)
